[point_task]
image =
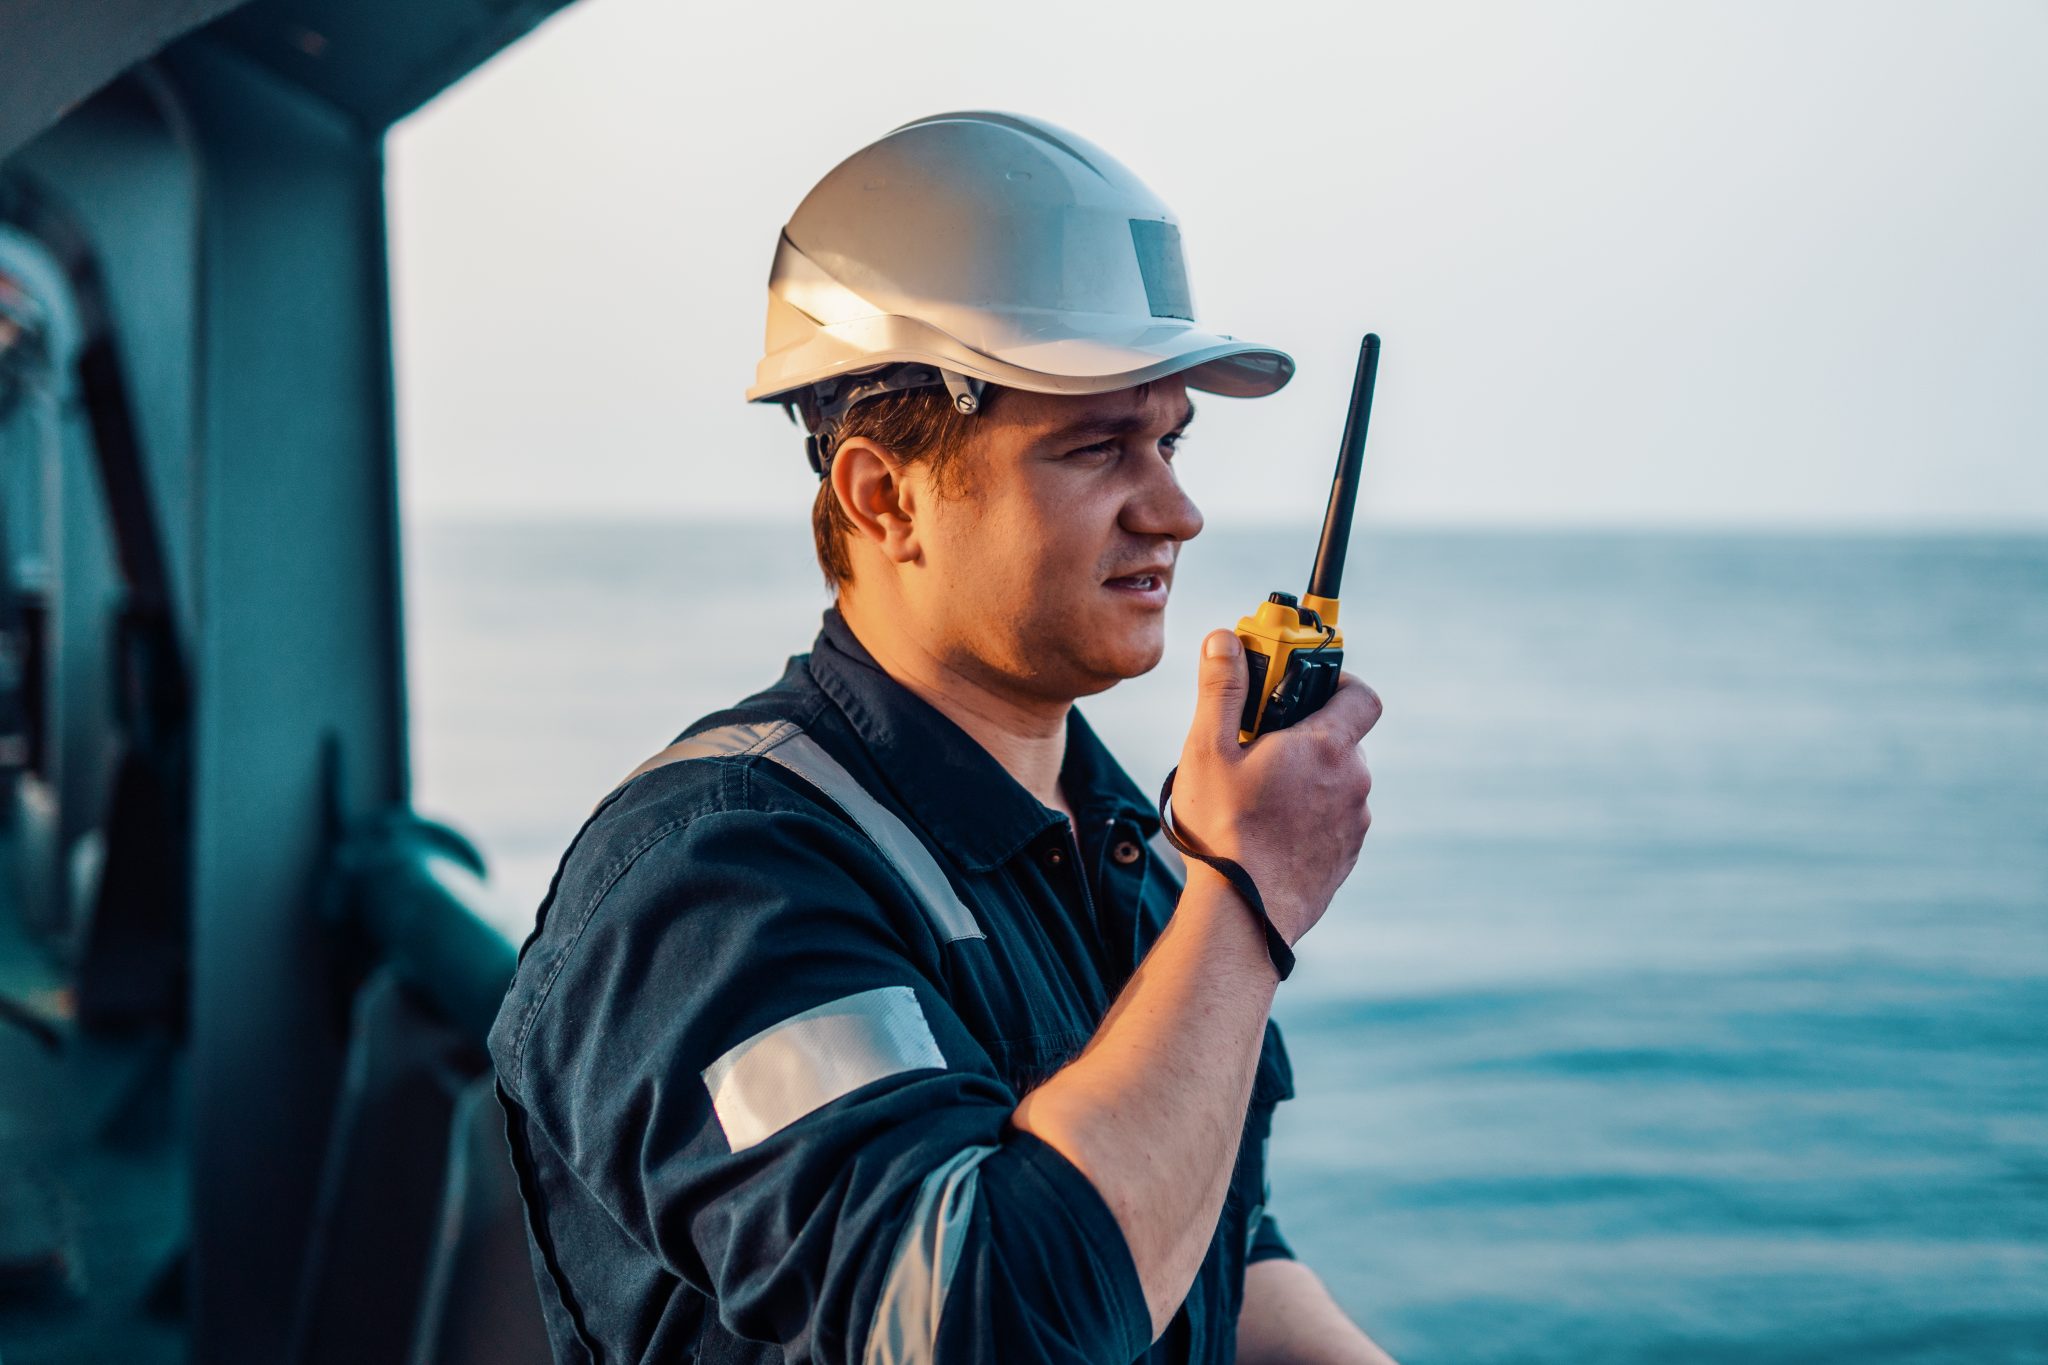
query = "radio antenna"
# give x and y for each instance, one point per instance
(1329, 569)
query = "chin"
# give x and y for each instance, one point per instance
(1130, 658)
(1083, 652)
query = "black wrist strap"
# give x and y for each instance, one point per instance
(1239, 879)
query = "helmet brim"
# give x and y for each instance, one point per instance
(1100, 364)
(1077, 356)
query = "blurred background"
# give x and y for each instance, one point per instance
(1690, 1000)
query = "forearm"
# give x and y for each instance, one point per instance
(1289, 1318)
(1153, 1109)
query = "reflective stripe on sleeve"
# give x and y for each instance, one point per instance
(810, 1059)
(906, 1326)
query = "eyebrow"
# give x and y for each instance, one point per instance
(1102, 428)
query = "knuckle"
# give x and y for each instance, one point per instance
(1333, 746)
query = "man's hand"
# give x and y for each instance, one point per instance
(1290, 807)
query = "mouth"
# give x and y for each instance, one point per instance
(1149, 588)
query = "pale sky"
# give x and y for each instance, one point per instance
(1653, 264)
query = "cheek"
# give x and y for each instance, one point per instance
(1023, 538)
(985, 578)
(1026, 560)
(1064, 552)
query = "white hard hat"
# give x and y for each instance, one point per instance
(988, 248)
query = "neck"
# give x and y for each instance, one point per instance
(1029, 738)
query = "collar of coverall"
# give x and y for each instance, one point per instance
(968, 802)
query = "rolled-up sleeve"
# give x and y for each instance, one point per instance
(742, 1050)
(1267, 1243)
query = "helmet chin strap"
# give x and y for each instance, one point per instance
(824, 405)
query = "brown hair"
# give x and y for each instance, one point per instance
(914, 425)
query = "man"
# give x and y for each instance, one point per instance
(867, 1023)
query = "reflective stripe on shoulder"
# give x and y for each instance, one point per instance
(785, 743)
(801, 755)
(906, 1326)
(726, 741)
(802, 1064)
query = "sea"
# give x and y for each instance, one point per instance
(1689, 1001)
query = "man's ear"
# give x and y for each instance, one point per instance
(878, 499)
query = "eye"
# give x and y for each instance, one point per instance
(1095, 452)
(1170, 443)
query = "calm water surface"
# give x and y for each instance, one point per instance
(1690, 1002)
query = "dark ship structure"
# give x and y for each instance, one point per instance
(245, 1113)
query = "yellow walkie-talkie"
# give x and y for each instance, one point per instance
(1293, 648)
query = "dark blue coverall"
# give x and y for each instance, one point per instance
(759, 1106)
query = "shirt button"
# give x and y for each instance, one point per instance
(1126, 852)
(1055, 857)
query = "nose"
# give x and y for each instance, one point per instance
(1161, 507)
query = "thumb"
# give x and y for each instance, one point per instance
(1220, 687)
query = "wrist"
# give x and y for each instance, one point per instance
(1289, 911)
(1219, 903)
(1213, 907)
(1278, 948)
